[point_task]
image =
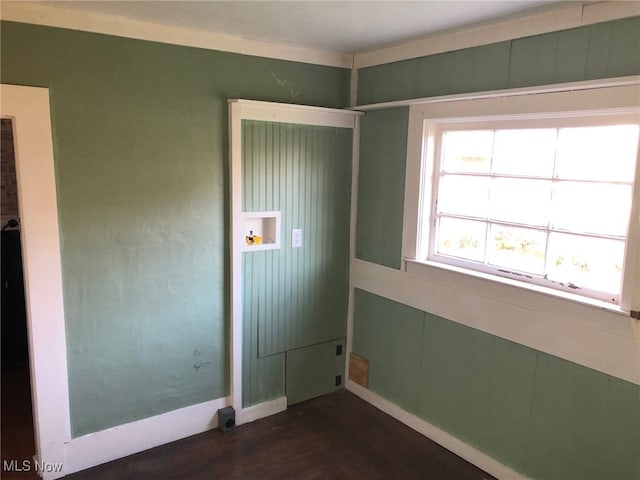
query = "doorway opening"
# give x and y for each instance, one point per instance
(18, 444)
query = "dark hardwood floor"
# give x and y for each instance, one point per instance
(17, 424)
(338, 436)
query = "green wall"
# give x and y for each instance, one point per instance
(602, 50)
(545, 417)
(140, 147)
(383, 156)
(294, 297)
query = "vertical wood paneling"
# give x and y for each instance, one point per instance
(390, 336)
(383, 151)
(608, 49)
(262, 378)
(312, 371)
(541, 415)
(298, 296)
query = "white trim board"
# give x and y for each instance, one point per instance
(508, 92)
(271, 112)
(29, 109)
(123, 440)
(353, 223)
(124, 27)
(549, 19)
(448, 441)
(603, 340)
(261, 410)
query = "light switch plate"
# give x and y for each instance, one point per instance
(296, 238)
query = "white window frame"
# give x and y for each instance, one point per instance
(530, 107)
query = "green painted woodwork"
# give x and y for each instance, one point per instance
(395, 359)
(298, 296)
(383, 152)
(545, 417)
(140, 146)
(312, 371)
(262, 378)
(601, 50)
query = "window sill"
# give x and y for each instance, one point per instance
(425, 270)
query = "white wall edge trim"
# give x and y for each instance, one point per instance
(261, 410)
(448, 441)
(124, 27)
(598, 339)
(35, 171)
(353, 223)
(509, 92)
(545, 20)
(117, 442)
(293, 113)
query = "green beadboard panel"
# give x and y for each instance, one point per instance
(263, 378)
(390, 336)
(298, 296)
(140, 146)
(383, 152)
(603, 50)
(312, 371)
(543, 416)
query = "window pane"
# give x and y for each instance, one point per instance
(592, 207)
(593, 263)
(464, 195)
(520, 249)
(521, 201)
(598, 153)
(525, 152)
(467, 151)
(461, 238)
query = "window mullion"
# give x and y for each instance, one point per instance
(551, 200)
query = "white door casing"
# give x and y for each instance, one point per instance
(28, 107)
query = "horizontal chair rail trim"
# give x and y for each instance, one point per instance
(509, 92)
(602, 340)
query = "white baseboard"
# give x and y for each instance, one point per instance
(117, 442)
(448, 441)
(261, 410)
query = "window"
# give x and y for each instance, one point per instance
(541, 198)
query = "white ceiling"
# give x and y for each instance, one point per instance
(347, 26)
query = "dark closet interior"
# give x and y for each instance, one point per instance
(17, 415)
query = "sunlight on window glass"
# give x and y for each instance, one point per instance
(462, 238)
(542, 198)
(592, 208)
(598, 153)
(521, 201)
(527, 152)
(520, 249)
(467, 151)
(594, 263)
(464, 195)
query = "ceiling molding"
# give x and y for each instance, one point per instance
(123, 27)
(633, 80)
(546, 20)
